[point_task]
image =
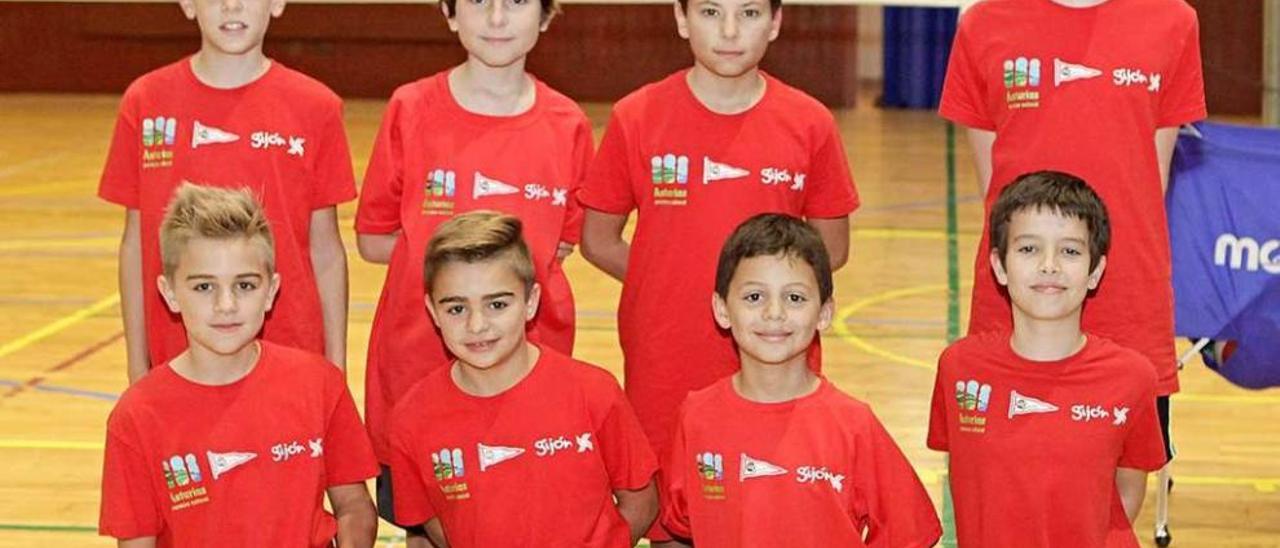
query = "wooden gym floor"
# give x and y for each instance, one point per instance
(62, 352)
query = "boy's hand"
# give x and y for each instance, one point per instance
(357, 518)
(638, 508)
(132, 295)
(563, 251)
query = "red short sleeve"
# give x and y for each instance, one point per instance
(583, 152)
(129, 509)
(832, 193)
(121, 176)
(889, 500)
(608, 184)
(334, 180)
(937, 438)
(411, 504)
(964, 91)
(624, 447)
(379, 208)
(1144, 443)
(675, 504)
(348, 455)
(1183, 100)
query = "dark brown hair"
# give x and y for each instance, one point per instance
(770, 234)
(549, 8)
(1062, 193)
(774, 6)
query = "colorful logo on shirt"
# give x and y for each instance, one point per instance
(973, 398)
(158, 135)
(263, 140)
(1020, 75)
(483, 186)
(208, 135)
(1027, 405)
(1064, 72)
(710, 467)
(535, 192)
(812, 474)
(755, 468)
(493, 455)
(448, 469)
(1124, 77)
(438, 192)
(715, 171)
(546, 447)
(665, 170)
(183, 478)
(774, 176)
(221, 463)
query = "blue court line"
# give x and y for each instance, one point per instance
(91, 394)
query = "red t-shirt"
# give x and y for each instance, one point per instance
(281, 136)
(1083, 91)
(533, 466)
(692, 176)
(245, 464)
(819, 470)
(1035, 445)
(432, 160)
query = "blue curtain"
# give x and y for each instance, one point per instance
(917, 42)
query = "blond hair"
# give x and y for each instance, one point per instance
(479, 236)
(217, 213)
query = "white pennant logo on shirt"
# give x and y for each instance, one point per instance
(485, 186)
(756, 468)
(491, 455)
(221, 463)
(716, 171)
(1069, 72)
(209, 135)
(1026, 405)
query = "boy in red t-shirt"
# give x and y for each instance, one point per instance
(514, 444)
(234, 442)
(228, 116)
(483, 135)
(1050, 430)
(694, 155)
(775, 455)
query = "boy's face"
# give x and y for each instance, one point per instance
(481, 309)
(232, 27)
(223, 291)
(497, 33)
(728, 37)
(1046, 267)
(773, 308)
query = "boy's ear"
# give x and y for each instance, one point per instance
(448, 16)
(997, 266)
(531, 304)
(682, 20)
(273, 289)
(720, 309)
(546, 21)
(775, 24)
(166, 291)
(826, 314)
(1095, 277)
(277, 8)
(188, 9)
(431, 309)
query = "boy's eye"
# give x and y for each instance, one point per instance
(246, 286)
(796, 298)
(1026, 249)
(709, 12)
(1071, 251)
(753, 297)
(499, 305)
(202, 287)
(454, 310)
(751, 13)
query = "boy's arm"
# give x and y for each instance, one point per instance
(639, 508)
(602, 243)
(835, 236)
(1166, 140)
(357, 519)
(329, 262)
(1132, 485)
(435, 533)
(981, 142)
(376, 248)
(132, 295)
(144, 542)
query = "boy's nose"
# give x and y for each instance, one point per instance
(476, 322)
(497, 13)
(232, 5)
(225, 301)
(729, 29)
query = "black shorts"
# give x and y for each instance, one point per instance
(386, 506)
(1166, 431)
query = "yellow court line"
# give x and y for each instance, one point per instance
(842, 328)
(58, 325)
(900, 233)
(51, 444)
(39, 243)
(1261, 485)
(36, 189)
